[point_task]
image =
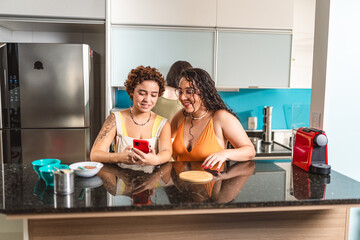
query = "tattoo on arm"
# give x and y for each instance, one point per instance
(109, 124)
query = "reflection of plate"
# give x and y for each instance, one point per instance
(196, 176)
(92, 182)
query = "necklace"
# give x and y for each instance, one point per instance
(198, 118)
(139, 124)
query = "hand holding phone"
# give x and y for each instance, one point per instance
(142, 145)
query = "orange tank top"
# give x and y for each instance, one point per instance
(206, 145)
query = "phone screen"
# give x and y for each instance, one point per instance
(141, 198)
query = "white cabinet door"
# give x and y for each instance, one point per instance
(159, 48)
(302, 60)
(164, 12)
(269, 14)
(303, 44)
(253, 59)
(73, 9)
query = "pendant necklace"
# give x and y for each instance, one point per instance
(139, 124)
(198, 118)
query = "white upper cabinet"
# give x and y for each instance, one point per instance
(72, 9)
(303, 44)
(253, 59)
(267, 14)
(159, 48)
(200, 13)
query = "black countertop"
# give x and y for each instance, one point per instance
(242, 185)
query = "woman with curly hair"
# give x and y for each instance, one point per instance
(144, 85)
(205, 125)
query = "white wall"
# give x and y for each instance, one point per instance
(336, 85)
(342, 93)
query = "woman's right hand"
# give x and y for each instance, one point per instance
(128, 156)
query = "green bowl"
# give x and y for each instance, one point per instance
(47, 173)
(37, 164)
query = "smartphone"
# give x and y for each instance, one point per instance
(141, 198)
(142, 145)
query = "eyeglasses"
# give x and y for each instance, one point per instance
(188, 92)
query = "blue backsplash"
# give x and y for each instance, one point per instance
(291, 107)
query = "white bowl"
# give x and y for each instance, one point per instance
(86, 172)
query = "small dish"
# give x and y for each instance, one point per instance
(86, 172)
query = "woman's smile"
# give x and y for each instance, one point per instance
(146, 95)
(188, 97)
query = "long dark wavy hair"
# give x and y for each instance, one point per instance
(174, 75)
(204, 86)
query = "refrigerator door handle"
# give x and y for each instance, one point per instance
(1, 148)
(5, 82)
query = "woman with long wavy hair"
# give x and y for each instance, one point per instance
(205, 125)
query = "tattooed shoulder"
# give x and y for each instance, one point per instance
(108, 125)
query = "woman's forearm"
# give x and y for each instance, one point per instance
(106, 157)
(244, 153)
(164, 156)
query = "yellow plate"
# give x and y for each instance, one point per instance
(196, 176)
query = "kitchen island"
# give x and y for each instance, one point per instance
(260, 200)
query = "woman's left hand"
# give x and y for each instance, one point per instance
(143, 159)
(215, 159)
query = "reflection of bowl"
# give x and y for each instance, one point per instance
(47, 196)
(37, 164)
(39, 187)
(86, 172)
(92, 182)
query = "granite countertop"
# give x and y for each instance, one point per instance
(242, 185)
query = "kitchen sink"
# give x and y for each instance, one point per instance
(265, 151)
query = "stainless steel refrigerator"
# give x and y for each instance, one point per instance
(46, 96)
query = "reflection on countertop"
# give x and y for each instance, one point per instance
(265, 151)
(237, 185)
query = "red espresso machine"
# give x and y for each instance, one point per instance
(310, 151)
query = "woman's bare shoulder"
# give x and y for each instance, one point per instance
(222, 115)
(125, 111)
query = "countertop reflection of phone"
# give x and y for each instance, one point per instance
(142, 145)
(141, 198)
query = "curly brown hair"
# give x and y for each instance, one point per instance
(141, 74)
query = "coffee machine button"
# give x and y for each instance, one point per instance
(320, 140)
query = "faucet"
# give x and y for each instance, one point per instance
(267, 132)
